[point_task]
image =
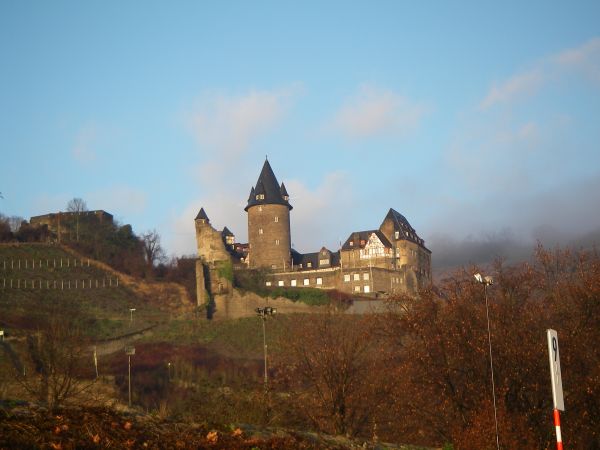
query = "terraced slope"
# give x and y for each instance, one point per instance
(37, 278)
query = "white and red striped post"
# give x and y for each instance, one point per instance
(559, 445)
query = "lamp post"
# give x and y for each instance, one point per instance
(130, 351)
(263, 313)
(488, 281)
(131, 310)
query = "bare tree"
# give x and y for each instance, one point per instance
(15, 223)
(52, 367)
(153, 251)
(77, 204)
(336, 371)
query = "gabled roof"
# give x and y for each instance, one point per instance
(399, 221)
(401, 225)
(268, 186)
(313, 258)
(363, 236)
(202, 215)
(226, 232)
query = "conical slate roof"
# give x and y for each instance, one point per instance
(284, 193)
(202, 215)
(267, 190)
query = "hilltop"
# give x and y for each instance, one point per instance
(34, 276)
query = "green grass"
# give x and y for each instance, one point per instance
(310, 296)
(102, 312)
(237, 338)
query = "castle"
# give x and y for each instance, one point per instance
(388, 260)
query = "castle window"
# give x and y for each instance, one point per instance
(268, 283)
(276, 241)
(323, 262)
(293, 283)
(280, 283)
(365, 276)
(347, 277)
(309, 264)
(351, 243)
(306, 282)
(397, 234)
(356, 288)
(367, 289)
(260, 231)
(276, 219)
(260, 197)
(319, 281)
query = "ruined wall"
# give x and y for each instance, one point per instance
(214, 272)
(201, 292)
(210, 243)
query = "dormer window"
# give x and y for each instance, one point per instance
(260, 196)
(286, 198)
(351, 243)
(397, 234)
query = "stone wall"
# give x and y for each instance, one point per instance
(269, 236)
(210, 243)
(238, 305)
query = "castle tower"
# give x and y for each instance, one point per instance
(269, 223)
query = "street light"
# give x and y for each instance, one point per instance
(131, 310)
(488, 281)
(263, 313)
(130, 351)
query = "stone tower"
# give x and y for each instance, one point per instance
(269, 234)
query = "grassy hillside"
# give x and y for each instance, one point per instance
(38, 279)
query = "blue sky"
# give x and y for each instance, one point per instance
(479, 121)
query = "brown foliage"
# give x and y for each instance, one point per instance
(444, 393)
(335, 371)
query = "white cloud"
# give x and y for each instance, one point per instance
(230, 124)
(319, 213)
(85, 140)
(519, 85)
(373, 111)
(584, 59)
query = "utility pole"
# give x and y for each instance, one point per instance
(488, 281)
(130, 351)
(263, 313)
